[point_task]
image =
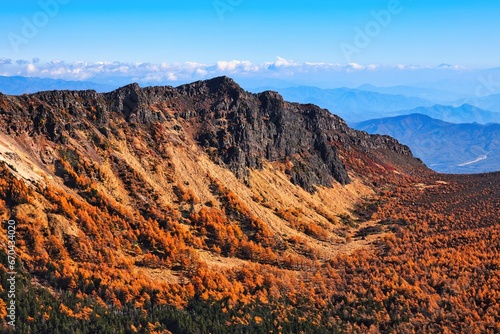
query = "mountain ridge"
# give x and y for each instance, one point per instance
(429, 94)
(353, 105)
(445, 147)
(465, 113)
(205, 208)
(17, 85)
(267, 115)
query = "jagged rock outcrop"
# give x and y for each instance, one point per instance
(246, 129)
(237, 129)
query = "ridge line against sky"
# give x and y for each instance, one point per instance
(322, 43)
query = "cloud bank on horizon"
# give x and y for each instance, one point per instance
(165, 73)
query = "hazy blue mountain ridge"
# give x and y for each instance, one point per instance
(18, 85)
(443, 146)
(465, 113)
(353, 105)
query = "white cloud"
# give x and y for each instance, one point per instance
(356, 66)
(282, 62)
(201, 72)
(227, 65)
(31, 68)
(172, 77)
(189, 71)
(233, 65)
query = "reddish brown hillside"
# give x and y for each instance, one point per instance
(266, 215)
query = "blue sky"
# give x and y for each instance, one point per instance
(423, 33)
(416, 32)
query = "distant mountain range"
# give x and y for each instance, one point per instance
(443, 146)
(429, 94)
(19, 85)
(353, 105)
(370, 102)
(465, 113)
(491, 102)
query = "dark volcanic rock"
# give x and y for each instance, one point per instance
(243, 130)
(237, 129)
(135, 104)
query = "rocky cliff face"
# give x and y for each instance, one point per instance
(131, 208)
(243, 130)
(237, 129)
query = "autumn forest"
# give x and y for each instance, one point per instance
(207, 209)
